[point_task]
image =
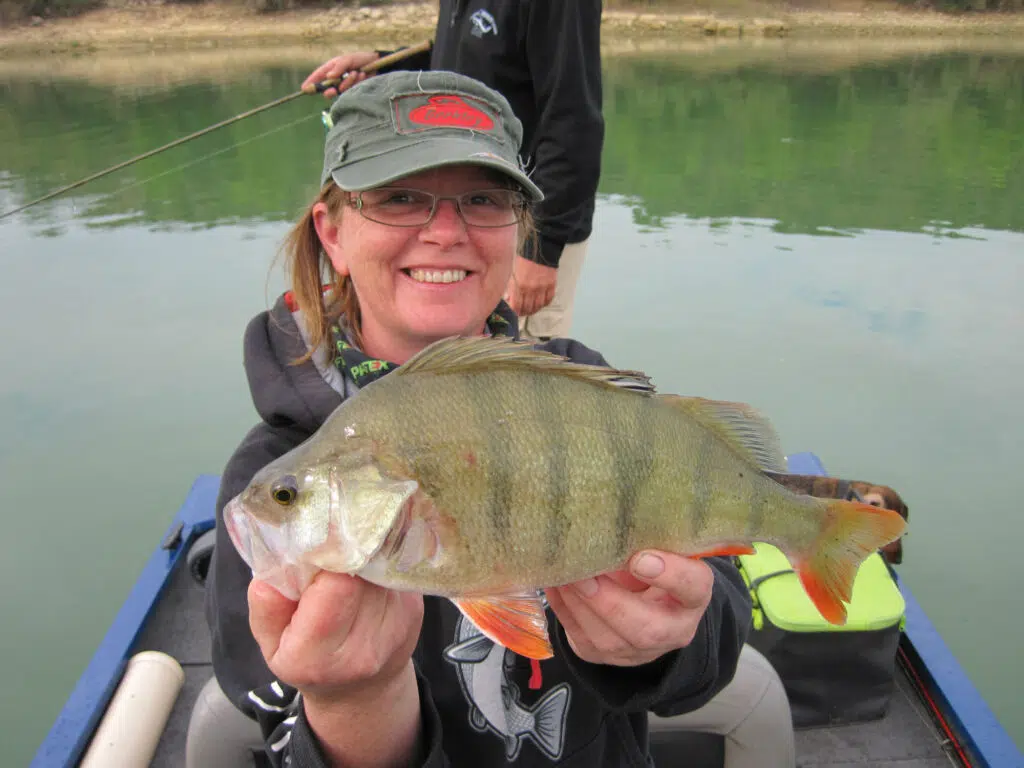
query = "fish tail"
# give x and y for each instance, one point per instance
(851, 531)
(549, 721)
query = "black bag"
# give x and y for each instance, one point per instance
(832, 674)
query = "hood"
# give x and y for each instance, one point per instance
(286, 394)
(304, 395)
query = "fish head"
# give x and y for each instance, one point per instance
(299, 515)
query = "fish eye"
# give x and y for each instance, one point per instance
(285, 490)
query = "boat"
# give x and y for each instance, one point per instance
(143, 680)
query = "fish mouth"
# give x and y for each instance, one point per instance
(237, 525)
(437, 276)
(249, 536)
(264, 549)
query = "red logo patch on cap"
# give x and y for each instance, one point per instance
(451, 111)
(420, 112)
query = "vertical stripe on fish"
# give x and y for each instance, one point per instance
(555, 467)
(702, 485)
(633, 465)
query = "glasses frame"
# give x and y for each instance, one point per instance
(356, 201)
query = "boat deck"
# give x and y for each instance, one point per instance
(905, 738)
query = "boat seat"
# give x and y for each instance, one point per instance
(220, 735)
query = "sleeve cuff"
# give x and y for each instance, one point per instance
(306, 750)
(543, 250)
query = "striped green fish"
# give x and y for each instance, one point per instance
(483, 470)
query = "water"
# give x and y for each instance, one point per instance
(834, 235)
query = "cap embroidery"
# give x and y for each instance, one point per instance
(451, 111)
(443, 111)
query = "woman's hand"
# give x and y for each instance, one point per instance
(631, 617)
(344, 633)
(347, 646)
(339, 66)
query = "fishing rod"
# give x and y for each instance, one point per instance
(320, 87)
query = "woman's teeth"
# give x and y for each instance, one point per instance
(438, 276)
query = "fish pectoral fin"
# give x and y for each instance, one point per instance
(516, 622)
(746, 430)
(419, 544)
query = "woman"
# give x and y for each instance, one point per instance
(420, 217)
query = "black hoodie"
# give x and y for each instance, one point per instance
(544, 56)
(477, 707)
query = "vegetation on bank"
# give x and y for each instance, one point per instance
(13, 11)
(877, 146)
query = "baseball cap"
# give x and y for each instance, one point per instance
(400, 123)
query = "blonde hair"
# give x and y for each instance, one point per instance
(320, 292)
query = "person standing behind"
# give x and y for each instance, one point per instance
(545, 58)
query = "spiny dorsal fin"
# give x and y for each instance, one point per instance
(482, 353)
(740, 425)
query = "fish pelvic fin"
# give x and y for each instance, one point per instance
(748, 432)
(480, 354)
(517, 622)
(850, 533)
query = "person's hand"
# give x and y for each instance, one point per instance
(632, 617)
(349, 63)
(342, 638)
(531, 287)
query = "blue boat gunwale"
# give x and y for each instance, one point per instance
(965, 708)
(70, 734)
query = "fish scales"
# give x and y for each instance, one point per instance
(499, 473)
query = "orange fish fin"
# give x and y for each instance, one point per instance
(726, 549)
(749, 433)
(851, 532)
(517, 622)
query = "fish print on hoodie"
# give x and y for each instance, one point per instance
(495, 701)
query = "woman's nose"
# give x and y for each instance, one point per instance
(446, 224)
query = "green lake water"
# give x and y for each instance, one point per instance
(838, 240)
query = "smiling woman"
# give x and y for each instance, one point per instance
(422, 210)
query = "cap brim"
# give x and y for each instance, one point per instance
(423, 156)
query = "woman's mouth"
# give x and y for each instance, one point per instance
(437, 275)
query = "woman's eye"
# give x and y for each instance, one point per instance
(398, 198)
(393, 198)
(483, 199)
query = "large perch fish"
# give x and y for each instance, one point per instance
(482, 470)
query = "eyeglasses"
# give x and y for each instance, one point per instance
(398, 207)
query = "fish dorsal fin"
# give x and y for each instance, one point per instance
(746, 430)
(480, 354)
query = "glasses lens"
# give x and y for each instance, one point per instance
(397, 207)
(491, 207)
(411, 207)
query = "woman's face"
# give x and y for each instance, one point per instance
(419, 284)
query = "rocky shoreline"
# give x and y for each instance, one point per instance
(152, 25)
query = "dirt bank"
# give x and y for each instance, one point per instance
(147, 25)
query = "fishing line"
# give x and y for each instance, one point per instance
(320, 87)
(197, 160)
